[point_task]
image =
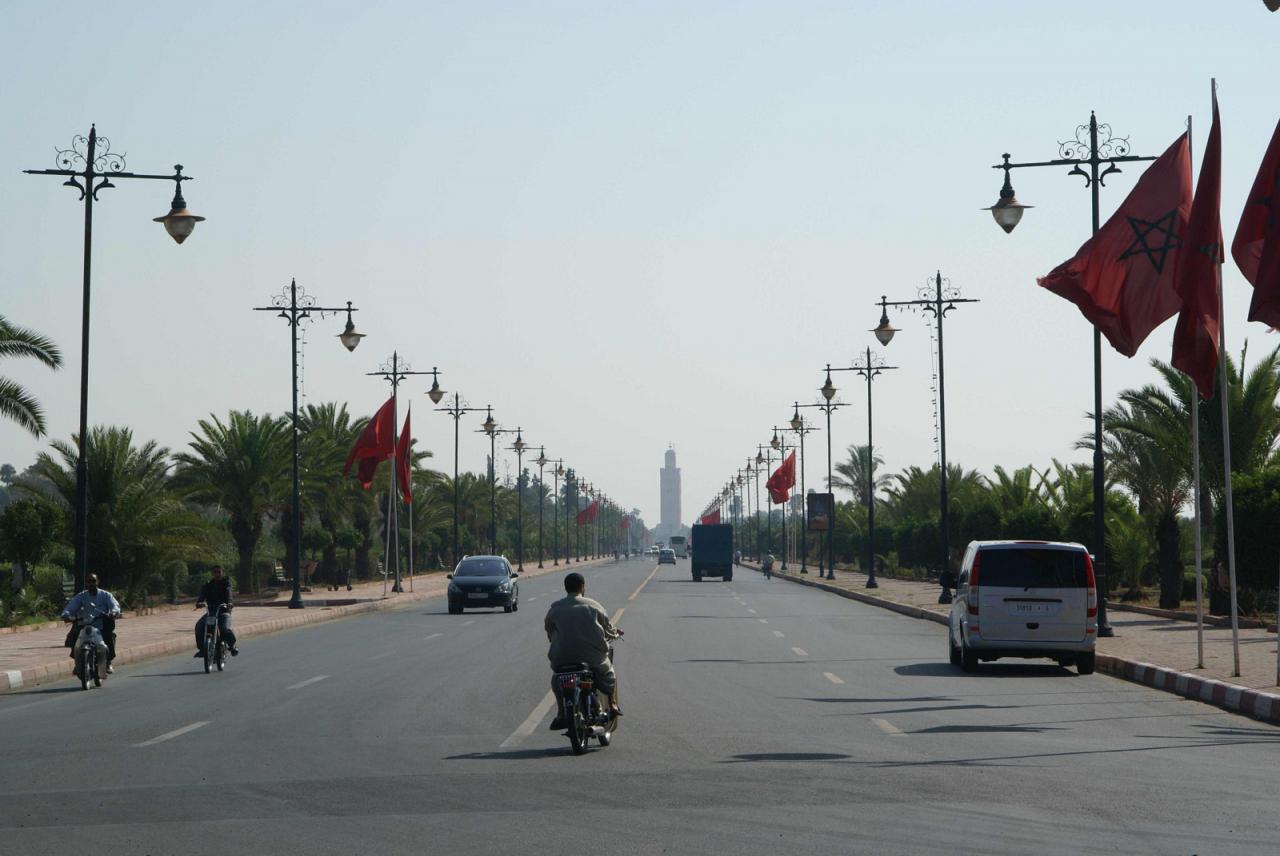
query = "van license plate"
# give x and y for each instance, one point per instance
(478, 595)
(1031, 608)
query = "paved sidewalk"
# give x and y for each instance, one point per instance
(1155, 651)
(38, 656)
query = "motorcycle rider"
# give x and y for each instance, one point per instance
(580, 631)
(215, 592)
(106, 611)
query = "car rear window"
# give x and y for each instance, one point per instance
(482, 568)
(1032, 568)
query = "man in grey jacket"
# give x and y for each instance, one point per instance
(580, 631)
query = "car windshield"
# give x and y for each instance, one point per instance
(1032, 568)
(482, 568)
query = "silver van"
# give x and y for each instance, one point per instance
(1024, 599)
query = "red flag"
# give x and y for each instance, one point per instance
(374, 444)
(710, 519)
(1256, 247)
(588, 514)
(1121, 279)
(402, 462)
(1198, 272)
(782, 480)
(626, 523)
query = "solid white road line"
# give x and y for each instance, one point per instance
(800, 652)
(307, 682)
(888, 728)
(177, 732)
(531, 722)
(636, 593)
(778, 633)
(835, 679)
(383, 654)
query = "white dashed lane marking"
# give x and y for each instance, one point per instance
(800, 652)
(382, 655)
(888, 728)
(317, 679)
(531, 722)
(177, 732)
(778, 633)
(763, 620)
(432, 636)
(835, 679)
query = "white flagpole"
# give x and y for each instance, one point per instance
(1195, 502)
(1223, 394)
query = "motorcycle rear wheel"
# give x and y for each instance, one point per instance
(208, 654)
(222, 654)
(84, 670)
(578, 733)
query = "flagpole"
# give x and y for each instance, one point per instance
(393, 505)
(1195, 464)
(408, 412)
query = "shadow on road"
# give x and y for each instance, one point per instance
(512, 755)
(984, 729)
(987, 670)
(191, 674)
(753, 757)
(49, 691)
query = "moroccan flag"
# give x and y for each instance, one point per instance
(375, 444)
(1121, 279)
(626, 523)
(1256, 247)
(782, 480)
(402, 462)
(1198, 273)
(588, 514)
(710, 519)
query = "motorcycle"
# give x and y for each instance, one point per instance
(584, 716)
(215, 647)
(90, 651)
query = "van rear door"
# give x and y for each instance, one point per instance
(1033, 593)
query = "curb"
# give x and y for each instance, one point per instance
(1227, 696)
(16, 679)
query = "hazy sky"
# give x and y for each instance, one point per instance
(621, 224)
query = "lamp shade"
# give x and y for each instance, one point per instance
(828, 389)
(349, 337)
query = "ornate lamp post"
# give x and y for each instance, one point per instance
(455, 410)
(938, 304)
(541, 461)
(295, 307)
(570, 489)
(555, 510)
(798, 426)
(1092, 146)
(518, 447)
(394, 371)
(828, 391)
(764, 458)
(89, 165)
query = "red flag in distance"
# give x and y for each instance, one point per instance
(782, 480)
(1256, 247)
(402, 462)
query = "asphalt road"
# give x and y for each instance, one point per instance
(761, 718)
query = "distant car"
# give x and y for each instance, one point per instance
(1025, 599)
(483, 581)
(666, 556)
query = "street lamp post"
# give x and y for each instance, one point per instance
(570, 486)
(456, 412)
(798, 426)
(938, 304)
(518, 447)
(1100, 148)
(871, 366)
(780, 443)
(88, 160)
(541, 462)
(395, 371)
(295, 308)
(555, 511)
(764, 456)
(827, 407)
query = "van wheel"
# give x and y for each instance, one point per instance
(697, 577)
(728, 576)
(1085, 663)
(968, 658)
(953, 651)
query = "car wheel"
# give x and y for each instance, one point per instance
(968, 657)
(515, 605)
(455, 610)
(506, 607)
(1085, 663)
(953, 650)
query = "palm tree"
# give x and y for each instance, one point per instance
(241, 468)
(854, 474)
(137, 525)
(15, 402)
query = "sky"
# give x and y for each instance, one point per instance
(622, 225)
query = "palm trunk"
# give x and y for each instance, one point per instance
(1169, 560)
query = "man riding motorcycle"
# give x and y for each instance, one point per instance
(216, 592)
(105, 610)
(580, 631)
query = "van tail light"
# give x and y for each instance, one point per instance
(1092, 582)
(972, 599)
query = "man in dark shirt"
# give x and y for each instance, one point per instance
(215, 592)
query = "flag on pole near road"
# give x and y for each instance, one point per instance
(588, 514)
(710, 519)
(402, 461)
(375, 444)
(782, 480)
(1198, 273)
(1121, 279)
(1256, 247)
